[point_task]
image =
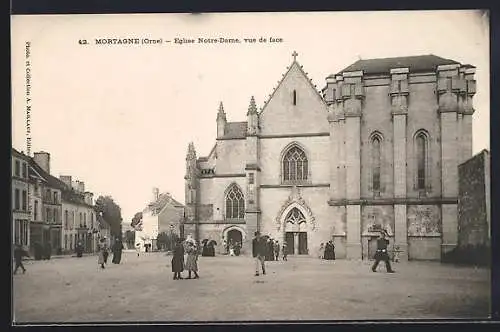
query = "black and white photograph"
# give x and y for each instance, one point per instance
(250, 167)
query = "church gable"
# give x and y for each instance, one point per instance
(295, 107)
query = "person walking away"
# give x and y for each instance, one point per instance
(192, 260)
(138, 248)
(178, 260)
(259, 253)
(381, 254)
(277, 250)
(103, 248)
(332, 248)
(117, 251)
(19, 253)
(321, 251)
(285, 251)
(106, 251)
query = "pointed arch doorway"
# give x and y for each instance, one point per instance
(296, 232)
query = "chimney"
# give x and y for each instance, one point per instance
(43, 160)
(156, 194)
(66, 179)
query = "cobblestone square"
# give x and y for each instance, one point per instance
(304, 288)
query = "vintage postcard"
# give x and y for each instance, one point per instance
(257, 167)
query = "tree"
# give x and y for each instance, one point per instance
(111, 213)
(136, 220)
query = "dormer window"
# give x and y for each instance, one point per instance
(294, 97)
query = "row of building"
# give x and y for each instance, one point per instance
(51, 211)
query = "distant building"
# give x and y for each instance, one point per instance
(474, 201)
(20, 204)
(163, 214)
(79, 216)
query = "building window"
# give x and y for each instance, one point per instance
(72, 219)
(25, 200)
(48, 215)
(295, 166)
(81, 219)
(55, 197)
(376, 163)
(295, 217)
(55, 216)
(17, 170)
(47, 195)
(17, 199)
(91, 220)
(422, 160)
(35, 211)
(235, 203)
(294, 97)
(85, 219)
(251, 178)
(66, 221)
(25, 171)
(353, 89)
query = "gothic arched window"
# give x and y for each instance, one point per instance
(295, 166)
(235, 203)
(376, 161)
(294, 97)
(295, 217)
(421, 146)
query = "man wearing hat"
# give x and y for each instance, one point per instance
(259, 253)
(381, 254)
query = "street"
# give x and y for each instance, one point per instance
(304, 288)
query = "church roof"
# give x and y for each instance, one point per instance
(236, 130)
(289, 68)
(416, 63)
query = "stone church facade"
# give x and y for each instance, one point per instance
(377, 149)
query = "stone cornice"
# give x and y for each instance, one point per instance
(252, 167)
(394, 201)
(306, 185)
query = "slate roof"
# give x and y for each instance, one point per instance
(35, 171)
(418, 63)
(161, 202)
(236, 130)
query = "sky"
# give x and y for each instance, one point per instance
(120, 117)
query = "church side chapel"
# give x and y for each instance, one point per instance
(377, 148)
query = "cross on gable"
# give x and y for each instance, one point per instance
(294, 54)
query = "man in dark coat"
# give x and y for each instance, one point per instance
(178, 260)
(19, 253)
(381, 253)
(117, 251)
(79, 249)
(259, 250)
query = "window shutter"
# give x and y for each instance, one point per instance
(442, 85)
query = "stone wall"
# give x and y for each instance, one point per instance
(473, 215)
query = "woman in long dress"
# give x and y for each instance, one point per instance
(321, 251)
(117, 251)
(178, 260)
(192, 260)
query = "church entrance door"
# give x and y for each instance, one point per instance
(289, 238)
(302, 243)
(234, 236)
(296, 243)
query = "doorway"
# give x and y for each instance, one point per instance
(297, 243)
(234, 236)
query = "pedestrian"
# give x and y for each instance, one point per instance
(231, 248)
(332, 248)
(381, 253)
(321, 251)
(270, 250)
(178, 260)
(259, 253)
(396, 254)
(19, 253)
(277, 250)
(237, 249)
(106, 250)
(117, 251)
(192, 260)
(79, 250)
(285, 251)
(103, 250)
(138, 248)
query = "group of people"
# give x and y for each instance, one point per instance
(327, 251)
(116, 249)
(273, 249)
(190, 263)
